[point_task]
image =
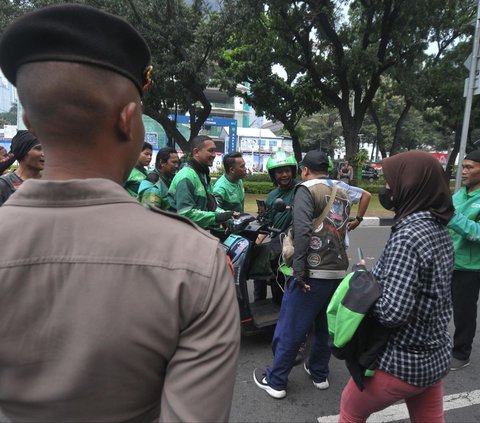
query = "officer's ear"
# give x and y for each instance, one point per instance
(126, 121)
(27, 123)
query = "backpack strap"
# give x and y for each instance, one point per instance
(318, 221)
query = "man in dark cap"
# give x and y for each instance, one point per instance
(28, 151)
(321, 209)
(465, 231)
(93, 330)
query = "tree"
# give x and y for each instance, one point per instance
(344, 59)
(281, 98)
(411, 80)
(321, 131)
(446, 81)
(184, 40)
(10, 117)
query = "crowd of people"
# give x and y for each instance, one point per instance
(95, 330)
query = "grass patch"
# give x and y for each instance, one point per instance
(375, 209)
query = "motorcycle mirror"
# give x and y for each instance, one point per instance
(279, 205)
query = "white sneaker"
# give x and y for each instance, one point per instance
(260, 379)
(319, 385)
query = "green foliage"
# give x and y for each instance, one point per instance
(257, 187)
(360, 158)
(184, 38)
(10, 117)
(322, 131)
(258, 177)
(372, 187)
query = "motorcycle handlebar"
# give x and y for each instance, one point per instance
(274, 230)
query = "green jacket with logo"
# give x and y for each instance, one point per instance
(154, 194)
(229, 196)
(188, 195)
(133, 182)
(465, 230)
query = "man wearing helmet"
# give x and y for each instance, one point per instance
(282, 168)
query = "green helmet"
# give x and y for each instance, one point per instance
(281, 159)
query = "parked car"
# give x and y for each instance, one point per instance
(369, 173)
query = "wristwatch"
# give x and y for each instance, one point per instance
(359, 219)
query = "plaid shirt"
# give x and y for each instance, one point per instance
(415, 272)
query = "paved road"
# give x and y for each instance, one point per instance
(304, 403)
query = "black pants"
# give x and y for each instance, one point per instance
(465, 289)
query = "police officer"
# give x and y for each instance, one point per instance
(93, 329)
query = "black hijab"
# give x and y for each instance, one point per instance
(418, 183)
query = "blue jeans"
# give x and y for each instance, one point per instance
(299, 311)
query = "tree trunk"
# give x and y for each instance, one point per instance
(380, 138)
(351, 127)
(297, 148)
(398, 128)
(170, 128)
(454, 153)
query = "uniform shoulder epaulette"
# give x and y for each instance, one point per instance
(181, 219)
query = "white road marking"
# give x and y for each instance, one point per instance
(399, 411)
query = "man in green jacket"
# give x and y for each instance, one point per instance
(139, 172)
(154, 188)
(190, 193)
(228, 190)
(466, 276)
(282, 168)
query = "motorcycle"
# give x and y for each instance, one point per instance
(252, 262)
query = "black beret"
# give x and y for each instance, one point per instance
(474, 156)
(75, 33)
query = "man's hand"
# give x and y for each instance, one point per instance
(302, 284)
(224, 216)
(353, 224)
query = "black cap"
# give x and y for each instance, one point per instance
(315, 160)
(75, 33)
(474, 156)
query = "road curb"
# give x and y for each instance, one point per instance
(377, 221)
(371, 221)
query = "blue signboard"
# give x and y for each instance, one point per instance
(216, 121)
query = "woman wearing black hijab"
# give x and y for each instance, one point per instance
(415, 272)
(27, 150)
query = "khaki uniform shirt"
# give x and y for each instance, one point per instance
(110, 312)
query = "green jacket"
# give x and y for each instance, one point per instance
(154, 194)
(229, 196)
(465, 230)
(276, 219)
(188, 195)
(280, 220)
(133, 182)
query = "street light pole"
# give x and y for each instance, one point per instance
(468, 101)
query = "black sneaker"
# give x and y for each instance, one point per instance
(457, 364)
(319, 385)
(260, 379)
